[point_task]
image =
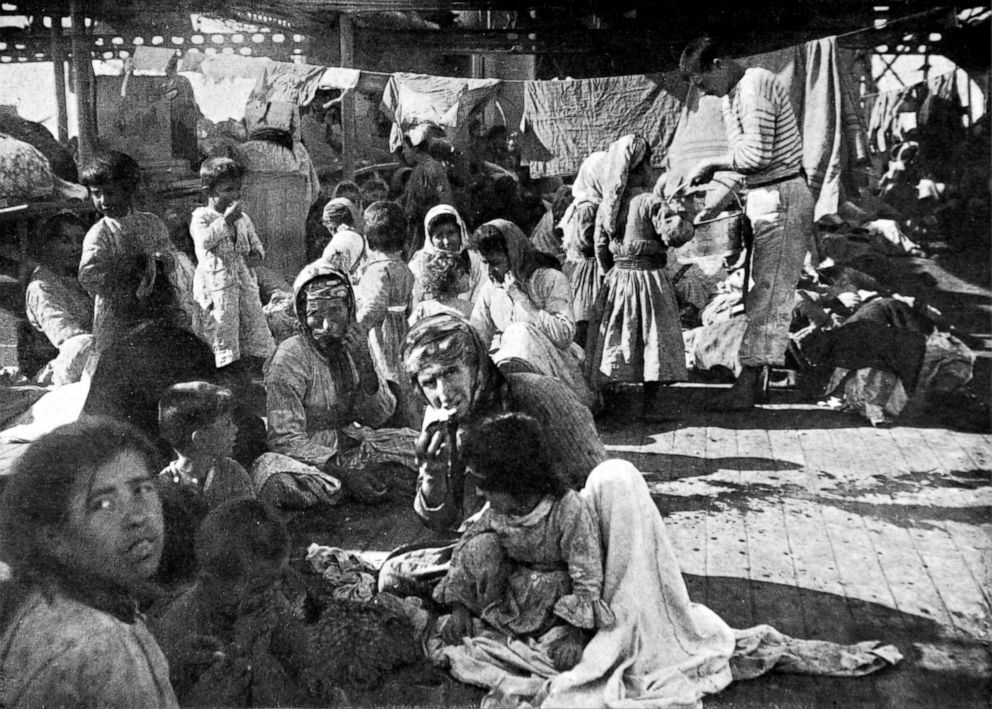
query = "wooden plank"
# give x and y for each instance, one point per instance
(726, 543)
(830, 613)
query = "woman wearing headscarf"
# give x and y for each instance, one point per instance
(324, 398)
(340, 217)
(639, 338)
(524, 313)
(446, 232)
(449, 364)
(280, 184)
(578, 227)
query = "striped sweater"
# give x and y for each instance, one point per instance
(761, 127)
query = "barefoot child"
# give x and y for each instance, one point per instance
(227, 250)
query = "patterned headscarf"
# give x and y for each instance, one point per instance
(321, 279)
(445, 339)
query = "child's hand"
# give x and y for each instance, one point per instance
(457, 626)
(232, 213)
(567, 650)
(254, 259)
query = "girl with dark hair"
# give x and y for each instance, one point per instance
(531, 564)
(524, 312)
(81, 528)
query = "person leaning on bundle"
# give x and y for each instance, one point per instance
(766, 147)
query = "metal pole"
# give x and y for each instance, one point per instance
(348, 131)
(58, 67)
(82, 70)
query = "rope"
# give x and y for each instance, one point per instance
(886, 23)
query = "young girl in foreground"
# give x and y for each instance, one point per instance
(81, 528)
(531, 565)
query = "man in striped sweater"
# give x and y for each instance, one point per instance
(766, 147)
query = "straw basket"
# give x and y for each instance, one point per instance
(723, 235)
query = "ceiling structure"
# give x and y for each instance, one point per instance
(639, 35)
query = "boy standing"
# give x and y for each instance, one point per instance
(227, 249)
(112, 179)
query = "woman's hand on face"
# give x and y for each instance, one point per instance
(457, 626)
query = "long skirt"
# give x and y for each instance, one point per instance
(583, 279)
(639, 338)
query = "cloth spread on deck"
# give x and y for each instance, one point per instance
(663, 650)
(569, 120)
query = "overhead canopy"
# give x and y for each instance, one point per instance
(645, 31)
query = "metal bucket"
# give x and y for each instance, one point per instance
(721, 236)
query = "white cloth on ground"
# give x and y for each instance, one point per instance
(664, 651)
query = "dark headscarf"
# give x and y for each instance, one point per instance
(523, 255)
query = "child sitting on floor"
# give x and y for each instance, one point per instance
(227, 250)
(195, 418)
(123, 232)
(531, 564)
(444, 277)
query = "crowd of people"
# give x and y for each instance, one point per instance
(426, 337)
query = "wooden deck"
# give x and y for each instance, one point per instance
(809, 520)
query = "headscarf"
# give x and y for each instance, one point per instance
(524, 256)
(337, 208)
(622, 155)
(346, 245)
(588, 187)
(329, 280)
(432, 215)
(445, 339)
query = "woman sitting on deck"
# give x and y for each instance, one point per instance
(524, 312)
(448, 363)
(521, 592)
(320, 383)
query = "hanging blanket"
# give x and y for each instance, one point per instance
(571, 119)
(418, 99)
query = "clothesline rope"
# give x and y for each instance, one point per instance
(885, 23)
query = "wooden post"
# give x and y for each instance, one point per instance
(82, 72)
(58, 66)
(348, 130)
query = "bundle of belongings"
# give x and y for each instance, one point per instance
(870, 350)
(257, 632)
